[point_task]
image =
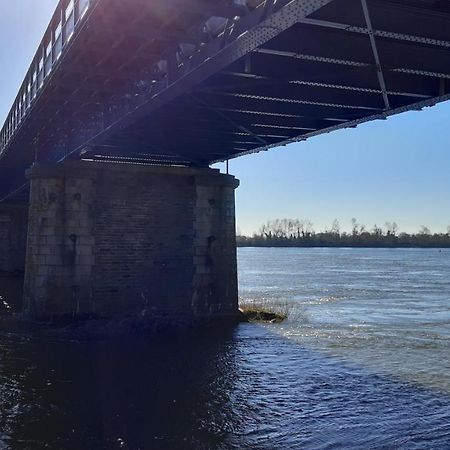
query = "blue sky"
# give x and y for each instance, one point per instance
(393, 170)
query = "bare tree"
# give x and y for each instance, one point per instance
(355, 227)
(424, 230)
(394, 228)
(309, 228)
(377, 231)
(335, 227)
(391, 228)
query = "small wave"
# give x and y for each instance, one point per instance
(324, 300)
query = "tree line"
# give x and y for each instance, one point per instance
(301, 233)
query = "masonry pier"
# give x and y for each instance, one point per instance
(13, 237)
(123, 240)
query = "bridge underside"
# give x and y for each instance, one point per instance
(142, 81)
(185, 83)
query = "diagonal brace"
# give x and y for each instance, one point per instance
(375, 54)
(230, 121)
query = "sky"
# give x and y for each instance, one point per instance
(392, 170)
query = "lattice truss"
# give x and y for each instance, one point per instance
(193, 82)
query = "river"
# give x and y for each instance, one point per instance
(363, 362)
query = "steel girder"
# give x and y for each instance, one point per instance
(242, 37)
(275, 74)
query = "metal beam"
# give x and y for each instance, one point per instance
(376, 56)
(282, 127)
(296, 101)
(260, 80)
(418, 106)
(423, 73)
(203, 7)
(313, 58)
(247, 34)
(285, 117)
(230, 121)
(378, 33)
(348, 62)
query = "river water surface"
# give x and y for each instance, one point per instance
(363, 362)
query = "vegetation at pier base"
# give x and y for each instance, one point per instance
(264, 311)
(300, 233)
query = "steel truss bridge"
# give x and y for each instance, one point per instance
(193, 82)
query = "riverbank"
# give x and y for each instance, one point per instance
(328, 240)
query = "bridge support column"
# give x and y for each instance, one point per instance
(118, 240)
(13, 237)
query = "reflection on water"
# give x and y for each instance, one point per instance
(338, 375)
(111, 394)
(10, 294)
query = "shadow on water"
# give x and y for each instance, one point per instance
(232, 388)
(110, 394)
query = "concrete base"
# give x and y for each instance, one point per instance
(13, 237)
(119, 240)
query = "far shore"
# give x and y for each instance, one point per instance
(288, 245)
(366, 240)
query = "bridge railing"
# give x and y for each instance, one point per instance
(65, 20)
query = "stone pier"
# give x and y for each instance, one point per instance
(13, 237)
(121, 240)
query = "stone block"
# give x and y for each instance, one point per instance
(13, 237)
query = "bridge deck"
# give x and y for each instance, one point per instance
(195, 81)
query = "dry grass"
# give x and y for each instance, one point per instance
(265, 311)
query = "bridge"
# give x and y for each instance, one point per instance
(127, 103)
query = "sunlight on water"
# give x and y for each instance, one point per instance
(387, 310)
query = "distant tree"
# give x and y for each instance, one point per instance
(391, 228)
(336, 228)
(300, 228)
(377, 231)
(309, 228)
(394, 228)
(264, 231)
(355, 227)
(425, 231)
(290, 228)
(300, 233)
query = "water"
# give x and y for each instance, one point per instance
(363, 363)
(385, 309)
